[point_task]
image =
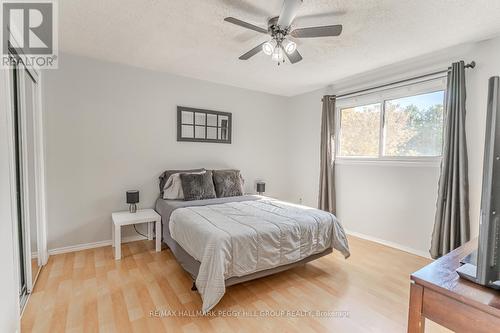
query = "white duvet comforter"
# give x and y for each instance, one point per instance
(240, 238)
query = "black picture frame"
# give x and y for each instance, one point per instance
(195, 127)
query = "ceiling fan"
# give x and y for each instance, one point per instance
(280, 29)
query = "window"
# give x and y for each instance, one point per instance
(360, 134)
(388, 126)
(414, 125)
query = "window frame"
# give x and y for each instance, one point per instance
(381, 97)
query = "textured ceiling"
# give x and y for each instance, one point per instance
(190, 38)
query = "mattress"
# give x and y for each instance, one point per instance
(224, 239)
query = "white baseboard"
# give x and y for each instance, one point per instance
(86, 246)
(389, 243)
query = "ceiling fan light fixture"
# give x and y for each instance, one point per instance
(278, 54)
(281, 30)
(268, 48)
(290, 47)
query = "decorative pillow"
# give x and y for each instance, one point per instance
(173, 187)
(197, 186)
(228, 183)
(167, 173)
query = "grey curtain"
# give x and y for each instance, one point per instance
(451, 224)
(327, 156)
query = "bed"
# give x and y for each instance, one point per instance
(225, 241)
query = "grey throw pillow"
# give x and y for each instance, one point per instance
(197, 186)
(228, 183)
(167, 173)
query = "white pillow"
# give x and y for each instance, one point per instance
(173, 186)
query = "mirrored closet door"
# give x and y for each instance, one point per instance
(24, 103)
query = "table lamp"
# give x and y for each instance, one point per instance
(261, 188)
(132, 199)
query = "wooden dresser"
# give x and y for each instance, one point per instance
(439, 294)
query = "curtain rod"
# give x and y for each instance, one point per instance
(472, 64)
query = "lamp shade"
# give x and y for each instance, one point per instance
(261, 187)
(132, 197)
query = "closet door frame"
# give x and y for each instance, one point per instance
(27, 187)
(39, 168)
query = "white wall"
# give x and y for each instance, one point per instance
(392, 203)
(112, 127)
(9, 302)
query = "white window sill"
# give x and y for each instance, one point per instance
(404, 162)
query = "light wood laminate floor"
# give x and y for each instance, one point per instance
(88, 291)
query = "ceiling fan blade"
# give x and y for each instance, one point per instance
(245, 25)
(288, 12)
(252, 52)
(323, 31)
(324, 18)
(294, 57)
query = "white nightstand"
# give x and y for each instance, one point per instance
(120, 219)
